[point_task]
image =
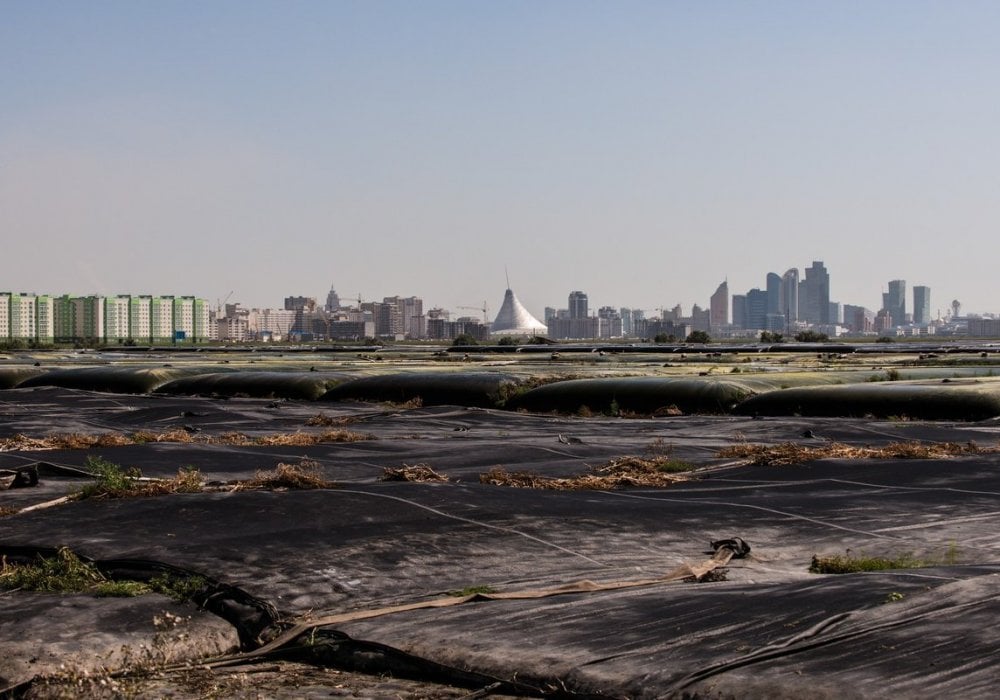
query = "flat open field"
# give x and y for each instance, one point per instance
(420, 523)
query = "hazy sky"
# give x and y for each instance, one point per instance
(639, 151)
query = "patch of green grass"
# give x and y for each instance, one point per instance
(847, 564)
(67, 573)
(472, 590)
(673, 466)
(179, 588)
(110, 480)
(121, 589)
(891, 375)
(63, 573)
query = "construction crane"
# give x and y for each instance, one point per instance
(484, 308)
(220, 304)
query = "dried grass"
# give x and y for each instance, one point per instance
(412, 472)
(111, 481)
(65, 441)
(325, 421)
(304, 439)
(791, 453)
(80, 441)
(175, 435)
(306, 474)
(499, 476)
(231, 437)
(6, 511)
(629, 471)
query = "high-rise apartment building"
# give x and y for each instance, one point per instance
(577, 305)
(403, 316)
(788, 302)
(610, 322)
(773, 293)
(117, 310)
(191, 317)
(894, 302)
(161, 319)
(858, 319)
(756, 311)
(332, 300)
(44, 318)
(4, 315)
(23, 316)
(814, 294)
(921, 305)
(138, 317)
(740, 310)
(718, 306)
(628, 326)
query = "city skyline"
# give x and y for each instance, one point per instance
(645, 150)
(939, 307)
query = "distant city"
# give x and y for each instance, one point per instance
(788, 304)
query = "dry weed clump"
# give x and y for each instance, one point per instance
(305, 439)
(621, 472)
(6, 511)
(412, 472)
(791, 453)
(79, 441)
(65, 441)
(499, 476)
(304, 475)
(175, 435)
(111, 481)
(325, 421)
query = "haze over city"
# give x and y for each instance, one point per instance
(641, 151)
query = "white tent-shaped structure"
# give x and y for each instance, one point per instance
(514, 319)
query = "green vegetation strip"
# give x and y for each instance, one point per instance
(846, 564)
(67, 573)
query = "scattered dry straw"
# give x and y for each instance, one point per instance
(792, 453)
(412, 472)
(304, 475)
(79, 441)
(111, 481)
(325, 421)
(620, 472)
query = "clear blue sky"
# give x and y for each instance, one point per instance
(639, 151)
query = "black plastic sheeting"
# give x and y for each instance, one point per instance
(858, 392)
(968, 400)
(260, 384)
(770, 629)
(10, 377)
(638, 394)
(250, 616)
(478, 389)
(120, 380)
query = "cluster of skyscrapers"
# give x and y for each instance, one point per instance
(788, 303)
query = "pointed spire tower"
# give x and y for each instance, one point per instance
(514, 319)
